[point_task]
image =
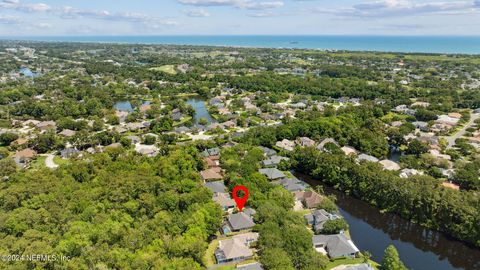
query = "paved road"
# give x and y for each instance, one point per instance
(49, 162)
(451, 139)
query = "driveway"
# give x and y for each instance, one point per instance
(49, 162)
(451, 139)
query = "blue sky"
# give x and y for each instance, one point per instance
(239, 17)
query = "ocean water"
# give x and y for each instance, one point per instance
(420, 44)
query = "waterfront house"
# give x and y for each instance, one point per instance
(286, 145)
(366, 157)
(390, 165)
(292, 184)
(318, 218)
(272, 173)
(268, 151)
(335, 246)
(274, 161)
(309, 198)
(305, 142)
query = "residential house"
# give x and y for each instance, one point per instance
(176, 116)
(228, 124)
(286, 145)
(216, 186)
(455, 115)
(423, 126)
(447, 120)
(69, 153)
(212, 161)
(147, 150)
(236, 248)
(211, 174)
(211, 152)
(67, 133)
(273, 161)
(237, 222)
(24, 156)
(335, 246)
(366, 157)
(268, 151)
(390, 165)
(19, 142)
(145, 107)
(292, 184)
(309, 198)
(46, 125)
(305, 142)
(134, 139)
(349, 150)
(318, 218)
(224, 200)
(272, 173)
(406, 173)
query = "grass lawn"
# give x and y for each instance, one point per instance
(60, 161)
(183, 121)
(170, 69)
(209, 257)
(347, 261)
(38, 163)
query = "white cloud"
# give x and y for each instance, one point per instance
(241, 4)
(67, 12)
(395, 8)
(197, 13)
(7, 19)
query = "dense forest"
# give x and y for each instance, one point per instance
(110, 211)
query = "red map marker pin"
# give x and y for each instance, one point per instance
(240, 201)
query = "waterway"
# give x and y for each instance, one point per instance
(201, 111)
(419, 248)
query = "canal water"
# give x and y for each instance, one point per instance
(201, 111)
(419, 248)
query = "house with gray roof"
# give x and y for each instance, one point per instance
(318, 218)
(224, 200)
(367, 158)
(272, 173)
(237, 222)
(236, 248)
(69, 152)
(211, 152)
(274, 161)
(292, 184)
(335, 246)
(268, 151)
(216, 186)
